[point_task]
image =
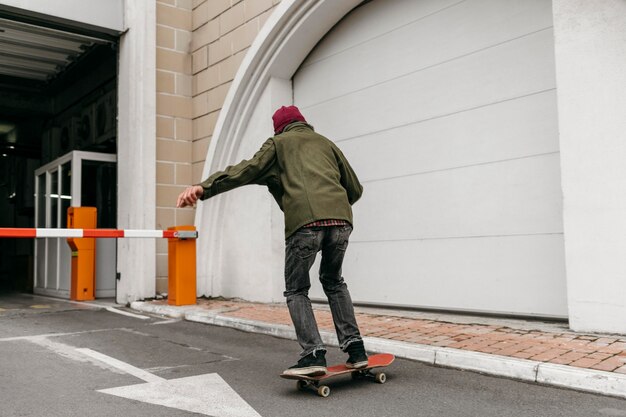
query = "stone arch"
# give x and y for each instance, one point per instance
(262, 82)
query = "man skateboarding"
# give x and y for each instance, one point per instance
(315, 187)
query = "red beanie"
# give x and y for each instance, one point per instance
(284, 116)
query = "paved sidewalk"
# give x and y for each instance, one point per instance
(534, 351)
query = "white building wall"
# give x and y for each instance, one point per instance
(590, 39)
(590, 45)
(242, 241)
(136, 163)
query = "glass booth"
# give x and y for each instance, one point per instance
(78, 179)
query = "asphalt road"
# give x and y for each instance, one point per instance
(57, 358)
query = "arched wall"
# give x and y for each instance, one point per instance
(239, 252)
(593, 221)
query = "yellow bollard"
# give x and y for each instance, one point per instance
(83, 281)
(181, 281)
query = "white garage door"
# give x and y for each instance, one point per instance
(447, 111)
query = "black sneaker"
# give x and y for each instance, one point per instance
(313, 364)
(358, 357)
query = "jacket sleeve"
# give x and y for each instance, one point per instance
(349, 180)
(271, 179)
(244, 173)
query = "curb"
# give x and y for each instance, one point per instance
(597, 382)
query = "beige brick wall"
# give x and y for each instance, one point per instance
(200, 45)
(174, 108)
(223, 30)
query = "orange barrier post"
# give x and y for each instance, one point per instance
(83, 281)
(181, 281)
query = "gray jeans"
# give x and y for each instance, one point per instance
(301, 249)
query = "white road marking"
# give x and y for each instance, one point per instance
(126, 313)
(122, 366)
(36, 337)
(62, 349)
(33, 338)
(97, 304)
(205, 394)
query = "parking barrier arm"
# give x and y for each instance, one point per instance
(12, 232)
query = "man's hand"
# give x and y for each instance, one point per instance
(189, 196)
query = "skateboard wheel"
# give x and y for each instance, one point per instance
(323, 391)
(301, 385)
(381, 378)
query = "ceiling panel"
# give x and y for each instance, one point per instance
(39, 53)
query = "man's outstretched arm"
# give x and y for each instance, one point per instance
(245, 172)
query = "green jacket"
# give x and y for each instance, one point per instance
(306, 173)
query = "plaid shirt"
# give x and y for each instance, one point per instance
(327, 222)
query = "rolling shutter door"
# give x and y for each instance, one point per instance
(447, 111)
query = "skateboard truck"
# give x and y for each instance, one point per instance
(324, 390)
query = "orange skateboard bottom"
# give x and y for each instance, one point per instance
(313, 382)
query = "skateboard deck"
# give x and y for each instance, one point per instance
(379, 360)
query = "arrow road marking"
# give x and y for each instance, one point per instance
(205, 394)
(122, 366)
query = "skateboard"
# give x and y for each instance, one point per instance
(315, 383)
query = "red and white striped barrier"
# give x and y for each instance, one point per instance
(96, 233)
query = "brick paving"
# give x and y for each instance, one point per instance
(564, 348)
